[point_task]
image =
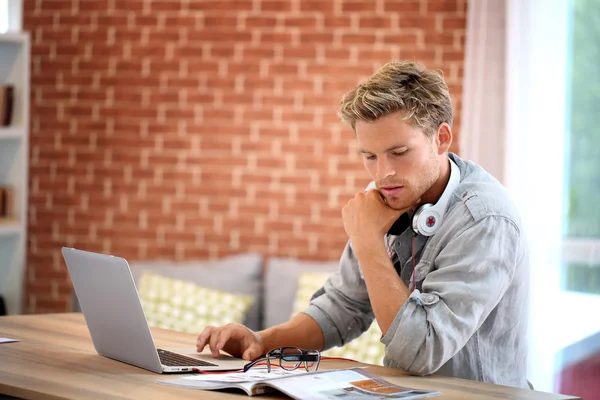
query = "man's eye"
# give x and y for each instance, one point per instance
(398, 154)
(371, 157)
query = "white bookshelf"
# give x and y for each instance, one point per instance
(14, 161)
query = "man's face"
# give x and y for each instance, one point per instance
(402, 160)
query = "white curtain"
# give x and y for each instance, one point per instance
(535, 131)
(483, 115)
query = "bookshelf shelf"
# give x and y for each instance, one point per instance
(14, 37)
(12, 132)
(14, 165)
(10, 226)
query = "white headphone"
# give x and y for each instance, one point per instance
(428, 217)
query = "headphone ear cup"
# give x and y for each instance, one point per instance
(415, 218)
(426, 220)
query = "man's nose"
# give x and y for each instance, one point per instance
(384, 169)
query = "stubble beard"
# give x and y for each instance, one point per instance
(413, 191)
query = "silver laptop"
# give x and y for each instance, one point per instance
(113, 312)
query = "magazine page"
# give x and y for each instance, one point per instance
(245, 381)
(349, 384)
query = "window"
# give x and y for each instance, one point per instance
(552, 170)
(581, 227)
(11, 15)
(3, 16)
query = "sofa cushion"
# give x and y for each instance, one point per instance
(281, 284)
(238, 274)
(366, 348)
(186, 307)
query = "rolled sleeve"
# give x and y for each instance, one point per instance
(470, 276)
(330, 331)
(342, 307)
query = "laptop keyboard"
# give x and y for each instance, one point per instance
(171, 359)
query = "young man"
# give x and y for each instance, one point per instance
(448, 284)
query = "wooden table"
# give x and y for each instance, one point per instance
(55, 359)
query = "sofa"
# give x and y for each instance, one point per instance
(272, 285)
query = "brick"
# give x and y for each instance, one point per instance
(238, 98)
(258, 53)
(451, 23)
(353, 70)
(401, 38)
(140, 51)
(283, 100)
(425, 57)
(300, 22)
(56, 5)
(164, 36)
(157, 6)
(358, 6)
(286, 68)
(426, 23)
(372, 55)
(275, 5)
(316, 6)
(221, 36)
(224, 51)
(383, 22)
(443, 6)
(404, 7)
(199, 98)
(444, 38)
(275, 37)
(219, 5)
(337, 53)
(316, 37)
(360, 38)
(114, 20)
(256, 115)
(223, 83)
(222, 21)
(195, 67)
(244, 67)
(149, 20)
(253, 22)
(337, 21)
(174, 21)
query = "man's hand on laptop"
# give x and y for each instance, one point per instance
(235, 339)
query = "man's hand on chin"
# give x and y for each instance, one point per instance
(367, 218)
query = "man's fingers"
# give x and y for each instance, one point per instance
(376, 194)
(212, 343)
(223, 337)
(203, 338)
(252, 352)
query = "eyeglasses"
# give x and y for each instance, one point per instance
(290, 358)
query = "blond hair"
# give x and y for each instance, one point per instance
(420, 94)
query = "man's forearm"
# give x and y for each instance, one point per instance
(300, 331)
(387, 292)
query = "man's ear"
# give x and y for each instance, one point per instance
(443, 138)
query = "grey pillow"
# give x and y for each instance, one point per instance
(241, 274)
(281, 284)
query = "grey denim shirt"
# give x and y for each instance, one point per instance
(467, 316)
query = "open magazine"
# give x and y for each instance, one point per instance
(346, 384)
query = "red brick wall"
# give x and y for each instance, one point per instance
(187, 129)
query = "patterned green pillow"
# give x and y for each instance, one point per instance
(186, 307)
(366, 348)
